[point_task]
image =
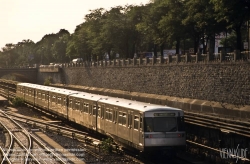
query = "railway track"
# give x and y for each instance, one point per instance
(91, 145)
(240, 128)
(215, 122)
(24, 147)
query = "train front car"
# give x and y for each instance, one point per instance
(164, 129)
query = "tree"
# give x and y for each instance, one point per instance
(235, 13)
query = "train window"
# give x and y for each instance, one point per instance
(54, 99)
(165, 124)
(180, 123)
(102, 111)
(90, 109)
(59, 100)
(129, 120)
(39, 95)
(77, 105)
(70, 103)
(43, 96)
(122, 119)
(64, 101)
(94, 110)
(136, 122)
(85, 107)
(140, 122)
(99, 111)
(148, 124)
(109, 114)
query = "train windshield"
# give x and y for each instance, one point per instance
(160, 124)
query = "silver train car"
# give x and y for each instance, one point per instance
(143, 126)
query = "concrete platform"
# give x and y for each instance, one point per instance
(3, 101)
(59, 148)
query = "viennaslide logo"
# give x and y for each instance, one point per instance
(226, 153)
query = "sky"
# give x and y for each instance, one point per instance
(32, 19)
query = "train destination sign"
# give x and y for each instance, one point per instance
(164, 114)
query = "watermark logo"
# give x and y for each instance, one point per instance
(237, 153)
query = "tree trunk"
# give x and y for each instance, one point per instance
(177, 46)
(162, 48)
(155, 50)
(238, 35)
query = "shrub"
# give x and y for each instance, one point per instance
(18, 101)
(47, 81)
(106, 145)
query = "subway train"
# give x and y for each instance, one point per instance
(143, 126)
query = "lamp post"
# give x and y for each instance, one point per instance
(42, 55)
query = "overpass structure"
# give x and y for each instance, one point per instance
(20, 74)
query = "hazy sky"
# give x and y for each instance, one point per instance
(32, 19)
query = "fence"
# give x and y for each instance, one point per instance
(187, 58)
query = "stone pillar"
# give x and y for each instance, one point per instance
(198, 56)
(134, 61)
(146, 60)
(187, 57)
(153, 60)
(178, 58)
(161, 60)
(123, 62)
(209, 56)
(140, 61)
(236, 55)
(222, 55)
(169, 58)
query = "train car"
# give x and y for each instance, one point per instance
(139, 125)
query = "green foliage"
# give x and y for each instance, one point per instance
(125, 30)
(230, 41)
(47, 81)
(106, 145)
(17, 102)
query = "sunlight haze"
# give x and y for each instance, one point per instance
(32, 19)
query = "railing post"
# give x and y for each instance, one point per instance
(140, 61)
(123, 62)
(209, 55)
(198, 55)
(236, 55)
(187, 57)
(169, 58)
(134, 61)
(161, 59)
(153, 60)
(177, 58)
(147, 60)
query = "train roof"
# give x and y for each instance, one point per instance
(136, 105)
(49, 88)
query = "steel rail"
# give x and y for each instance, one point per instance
(5, 157)
(37, 141)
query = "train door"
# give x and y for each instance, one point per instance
(114, 122)
(141, 141)
(102, 120)
(130, 129)
(136, 128)
(94, 118)
(98, 120)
